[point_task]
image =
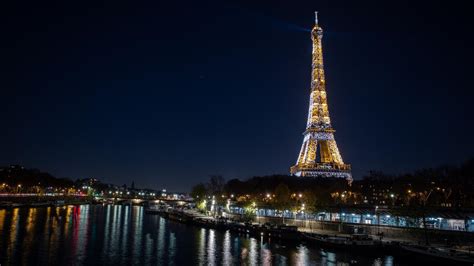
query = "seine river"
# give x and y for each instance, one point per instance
(125, 235)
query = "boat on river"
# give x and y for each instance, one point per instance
(353, 241)
(446, 254)
(156, 209)
(288, 232)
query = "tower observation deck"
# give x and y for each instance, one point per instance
(319, 154)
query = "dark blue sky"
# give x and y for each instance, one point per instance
(168, 94)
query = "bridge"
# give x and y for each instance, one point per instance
(79, 198)
(141, 201)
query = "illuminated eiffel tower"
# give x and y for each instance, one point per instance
(319, 155)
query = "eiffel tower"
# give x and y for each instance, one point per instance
(319, 155)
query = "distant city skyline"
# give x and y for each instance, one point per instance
(167, 94)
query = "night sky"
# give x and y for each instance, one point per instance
(167, 94)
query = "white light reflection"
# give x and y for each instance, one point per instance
(137, 240)
(388, 261)
(83, 220)
(377, 262)
(125, 228)
(227, 256)
(105, 251)
(171, 248)
(266, 255)
(114, 239)
(148, 249)
(211, 248)
(253, 252)
(201, 245)
(331, 258)
(302, 257)
(161, 240)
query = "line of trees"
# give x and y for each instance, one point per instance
(17, 179)
(16, 175)
(444, 186)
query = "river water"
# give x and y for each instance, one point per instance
(125, 235)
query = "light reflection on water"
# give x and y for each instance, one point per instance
(226, 254)
(125, 235)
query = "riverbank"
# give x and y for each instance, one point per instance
(324, 238)
(401, 234)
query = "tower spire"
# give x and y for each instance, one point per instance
(319, 154)
(316, 17)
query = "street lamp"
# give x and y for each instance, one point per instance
(302, 212)
(378, 219)
(213, 206)
(254, 205)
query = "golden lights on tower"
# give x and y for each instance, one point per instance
(319, 154)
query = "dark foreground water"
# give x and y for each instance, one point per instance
(124, 235)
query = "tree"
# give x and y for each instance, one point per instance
(216, 184)
(249, 213)
(199, 191)
(310, 200)
(282, 198)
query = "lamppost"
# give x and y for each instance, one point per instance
(304, 216)
(213, 206)
(254, 205)
(424, 200)
(378, 219)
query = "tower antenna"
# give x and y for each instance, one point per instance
(316, 17)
